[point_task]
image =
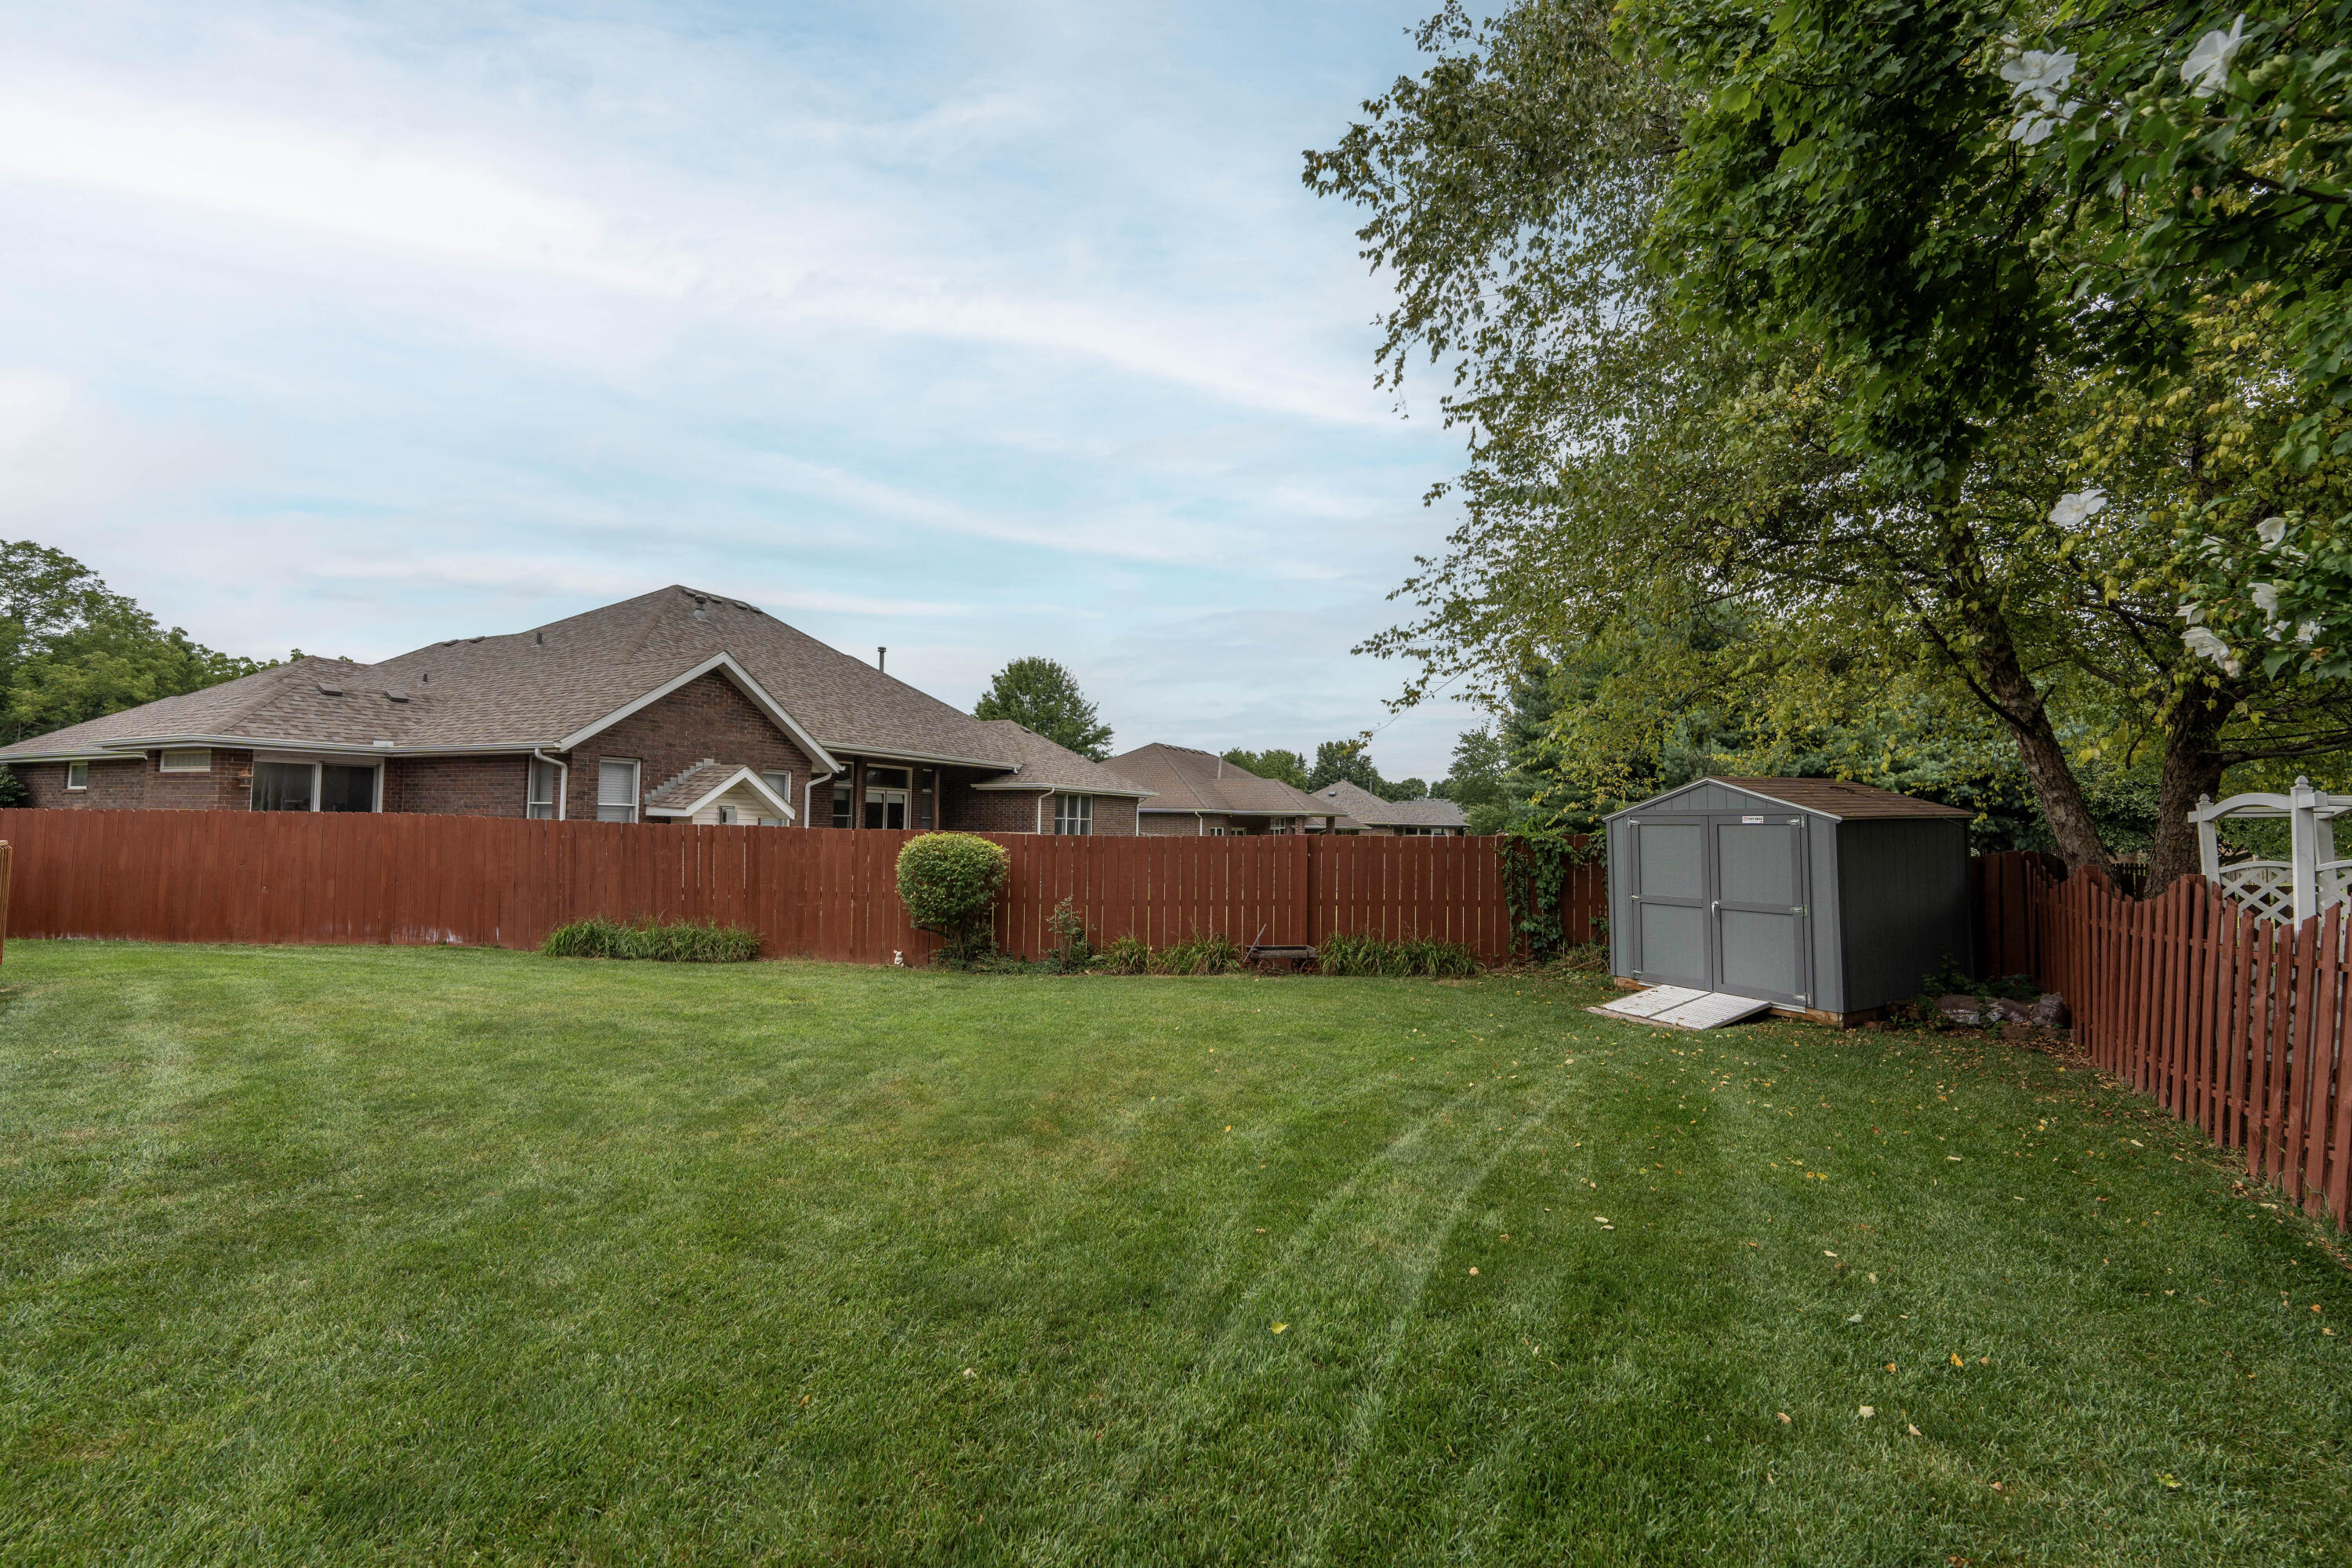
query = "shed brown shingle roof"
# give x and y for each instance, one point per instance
(1184, 779)
(535, 688)
(1844, 799)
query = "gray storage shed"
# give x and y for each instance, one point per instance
(1818, 895)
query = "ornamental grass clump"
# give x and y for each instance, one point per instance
(1214, 954)
(1414, 957)
(1123, 956)
(670, 941)
(949, 882)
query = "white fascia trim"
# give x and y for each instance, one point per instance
(865, 754)
(120, 748)
(1074, 789)
(724, 664)
(740, 775)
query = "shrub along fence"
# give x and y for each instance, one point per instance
(2236, 1022)
(172, 876)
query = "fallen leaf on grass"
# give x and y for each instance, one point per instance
(1474, 1271)
(1913, 1430)
(1279, 1327)
(1784, 1418)
(1890, 1367)
(1868, 1411)
(1855, 1319)
(2171, 1482)
(1956, 1361)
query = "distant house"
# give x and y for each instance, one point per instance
(1200, 793)
(675, 706)
(1358, 810)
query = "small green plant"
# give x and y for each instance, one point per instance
(1214, 954)
(1123, 956)
(1072, 952)
(949, 882)
(1377, 956)
(663, 942)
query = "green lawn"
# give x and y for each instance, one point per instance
(363, 1255)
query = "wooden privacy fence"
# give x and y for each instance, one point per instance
(329, 878)
(2236, 1022)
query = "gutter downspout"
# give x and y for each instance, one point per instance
(808, 799)
(562, 781)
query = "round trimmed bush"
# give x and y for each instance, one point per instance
(949, 882)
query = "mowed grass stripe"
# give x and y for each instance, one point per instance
(365, 1255)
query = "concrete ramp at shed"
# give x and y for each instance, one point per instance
(1683, 1007)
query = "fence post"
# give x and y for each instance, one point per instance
(7, 865)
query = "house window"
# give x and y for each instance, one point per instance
(76, 776)
(539, 795)
(1074, 813)
(844, 803)
(616, 790)
(343, 788)
(186, 760)
(283, 786)
(886, 797)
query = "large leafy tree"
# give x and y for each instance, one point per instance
(1274, 763)
(72, 650)
(1040, 694)
(1707, 387)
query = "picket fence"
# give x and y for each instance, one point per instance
(2234, 1022)
(245, 877)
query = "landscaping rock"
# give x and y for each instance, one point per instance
(2050, 1011)
(1962, 1010)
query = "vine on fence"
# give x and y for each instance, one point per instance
(1535, 868)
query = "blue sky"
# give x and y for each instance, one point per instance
(977, 330)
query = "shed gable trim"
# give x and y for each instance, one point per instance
(1665, 802)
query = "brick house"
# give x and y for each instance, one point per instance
(1198, 792)
(675, 706)
(1361, 811)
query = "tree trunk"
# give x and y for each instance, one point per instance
(2191, 766)
(2004, 687)
(2019, 705)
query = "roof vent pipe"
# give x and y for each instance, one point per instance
(537, 638)
(882, 659)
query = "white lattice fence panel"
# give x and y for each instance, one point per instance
(2266, 887)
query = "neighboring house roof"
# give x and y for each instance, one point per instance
(555, 685)
(1838, 798)
(1184, 779)
(1372, 811)
(704, 782)
(1045, 765)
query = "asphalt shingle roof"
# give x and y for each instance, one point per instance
(534, 688)
(1369, 809)
(1187, 780)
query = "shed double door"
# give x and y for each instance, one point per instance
(1720, 902)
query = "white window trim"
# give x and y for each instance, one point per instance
(637, 788)
(164, 754)
(554, 803)
(78, 788)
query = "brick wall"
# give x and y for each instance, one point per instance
(705, 718)
(136, 783)
(1179, 824)
(971, 810)
(455, 786)
(1114, 816)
